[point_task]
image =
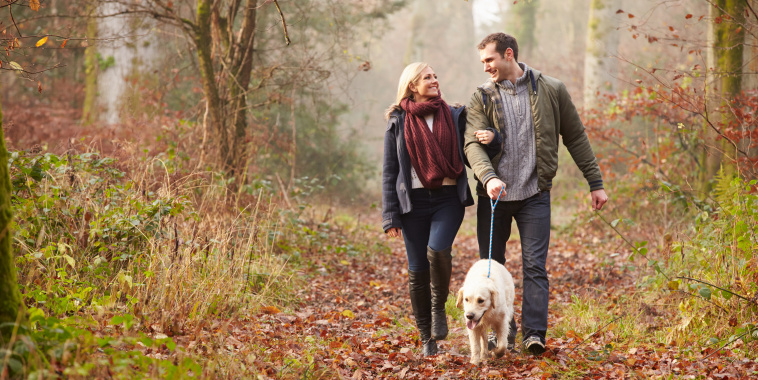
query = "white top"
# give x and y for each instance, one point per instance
(415, 182)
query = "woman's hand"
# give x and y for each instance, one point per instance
(484, 136)
(394, 232)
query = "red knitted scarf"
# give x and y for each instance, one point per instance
(434, 155)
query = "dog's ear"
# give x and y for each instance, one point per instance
(459, 300)
(493, 296)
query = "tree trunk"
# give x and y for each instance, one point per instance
(227, 106)
(600, 67)
(10, 298)
(750, 71)
(750, 55)
(241, 58)
(413, 47)
(522, 23)
(203, 44)
(726, 37)
(89, 113)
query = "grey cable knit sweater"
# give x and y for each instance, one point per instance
(517, 167)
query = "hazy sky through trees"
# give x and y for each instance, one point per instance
(485, 12)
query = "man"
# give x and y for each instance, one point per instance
(531, 111)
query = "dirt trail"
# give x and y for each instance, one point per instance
(362, 313)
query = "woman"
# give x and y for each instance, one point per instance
(425, 190)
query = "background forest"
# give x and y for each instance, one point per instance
(190, 188)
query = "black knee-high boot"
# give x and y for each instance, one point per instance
(441, 263)
(421, 300)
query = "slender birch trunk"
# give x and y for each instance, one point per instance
(600, 66)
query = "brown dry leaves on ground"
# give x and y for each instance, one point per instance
(354, 322)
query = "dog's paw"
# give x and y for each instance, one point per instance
(475, 361)
(499, 352)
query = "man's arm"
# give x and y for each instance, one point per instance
(475, 152)
(576, 141)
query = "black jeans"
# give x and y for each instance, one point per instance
(532, 217)
(433, 222)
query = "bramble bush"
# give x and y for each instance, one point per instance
(699, 245)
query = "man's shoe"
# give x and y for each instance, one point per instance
(534, 345)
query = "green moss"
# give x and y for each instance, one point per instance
(10, 298)
(91, 70)
(728, 41)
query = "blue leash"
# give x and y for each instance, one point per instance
(492, 223)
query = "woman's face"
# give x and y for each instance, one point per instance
(426, 87)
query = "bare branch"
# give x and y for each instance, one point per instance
(10, 11)
(284, 24)
(57, 65)
(747, 3)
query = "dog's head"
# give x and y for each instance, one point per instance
(476, 299)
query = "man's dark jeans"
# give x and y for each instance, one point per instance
(433, 222)
(532, 217)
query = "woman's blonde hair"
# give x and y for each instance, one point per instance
(411, 74)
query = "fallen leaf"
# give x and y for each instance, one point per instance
(407, 352)
(270, 310)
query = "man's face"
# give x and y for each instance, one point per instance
(495, 65)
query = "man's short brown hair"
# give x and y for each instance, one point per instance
(502, 42)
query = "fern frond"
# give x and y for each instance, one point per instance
(723, 191)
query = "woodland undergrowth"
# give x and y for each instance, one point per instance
(116, 257)
(695, 251)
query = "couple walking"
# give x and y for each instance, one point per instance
(508, 135)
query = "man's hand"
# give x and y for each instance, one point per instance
(493, 188)
(484, 136)
(598, 199)
(394, 232)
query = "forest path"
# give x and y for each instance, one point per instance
(354, 321)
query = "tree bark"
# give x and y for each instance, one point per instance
(10, 298)
(241, 64)
(522, 23)
(203, 43)
(600, 67)
(89, 114)
(750, 71)
(726, 37)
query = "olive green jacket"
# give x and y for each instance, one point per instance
(554, 115)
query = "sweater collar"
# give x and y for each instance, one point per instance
(520, 81)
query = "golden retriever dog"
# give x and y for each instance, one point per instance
(487, 303)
